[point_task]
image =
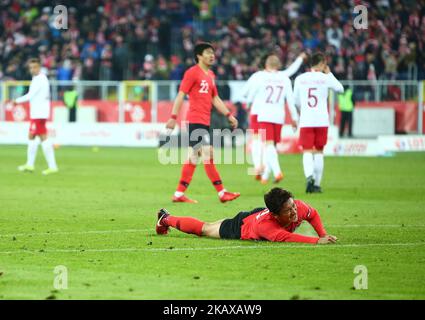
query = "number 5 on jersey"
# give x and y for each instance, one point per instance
(312, 99)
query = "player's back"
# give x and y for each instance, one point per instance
(311, 94)
(40, 101)
(270, 91)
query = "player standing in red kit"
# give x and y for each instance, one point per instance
(275, 223)
(198, 83)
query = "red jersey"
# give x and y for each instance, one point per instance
(200, 86)
(263, 226)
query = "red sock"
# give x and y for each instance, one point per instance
(187, 173)
(213, 174)
(185, 224)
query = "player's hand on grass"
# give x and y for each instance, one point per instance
(328, 239)
(171, 124)
(233, 122)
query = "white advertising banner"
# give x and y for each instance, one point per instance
(84, 134)
(403, 143)
(354, 147)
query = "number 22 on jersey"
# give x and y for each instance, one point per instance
(204, 87)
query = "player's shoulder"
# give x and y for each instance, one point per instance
(192, 70)
(283, 75)
(300, 77)
(304, 209)
(305, 75)
(301, 204)
(256, 75)
(211, 73)
(42, 77)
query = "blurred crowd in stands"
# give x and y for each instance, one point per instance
(153, 39)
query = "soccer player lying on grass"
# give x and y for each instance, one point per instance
(276, 223)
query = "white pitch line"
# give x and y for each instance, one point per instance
(375, 226)
(413, 244)
(148, 230)
(73, 232)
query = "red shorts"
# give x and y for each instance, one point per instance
(38, 127)
(270, 131)
(313, 137)
(253, 123)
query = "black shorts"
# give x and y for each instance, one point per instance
(199, 135)
(231, 228)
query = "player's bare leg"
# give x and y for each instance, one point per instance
(188, 170)
(214, 176)
(31, 154)
(49, 155)
(212, 229)
(187, 225)
(308, 164)
(257, 155)
(271, 161)
(318, 166)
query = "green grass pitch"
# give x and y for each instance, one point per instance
(97, 216)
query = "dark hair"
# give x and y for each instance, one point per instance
(317, 58)
(34, 60)
(200, 47)
(276, 198)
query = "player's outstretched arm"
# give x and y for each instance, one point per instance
(178, 102)
(293, 68)
(221, 107)
(316, 222)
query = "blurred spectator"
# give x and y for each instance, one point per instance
(65, 71)
(109, 40)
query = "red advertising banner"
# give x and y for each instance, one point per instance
(141, 112)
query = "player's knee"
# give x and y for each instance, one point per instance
(193, 156)
(206, 229)
(207, 153)
(211, 230)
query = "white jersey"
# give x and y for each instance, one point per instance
(252, 83)
(272, 89)
(311, 94)
(38, 96)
